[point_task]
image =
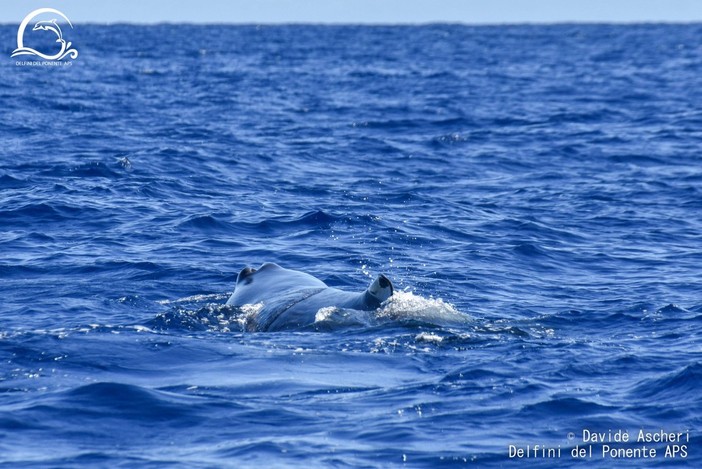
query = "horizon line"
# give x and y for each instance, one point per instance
(382, 23)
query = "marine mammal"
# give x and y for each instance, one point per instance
(53, 26)
(50, 26)
(290, 299)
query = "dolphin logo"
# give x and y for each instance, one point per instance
(50, 25)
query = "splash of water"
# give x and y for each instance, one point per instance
(406, 306)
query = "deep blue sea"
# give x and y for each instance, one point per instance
(534, 193)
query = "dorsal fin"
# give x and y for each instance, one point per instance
(381, 289)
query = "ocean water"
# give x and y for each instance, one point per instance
(534, 193)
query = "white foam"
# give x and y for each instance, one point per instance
(404, 305)
(429, 337)
(325, 314)
(196, 298)
(248, 317)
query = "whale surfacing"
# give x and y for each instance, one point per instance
(290, 299)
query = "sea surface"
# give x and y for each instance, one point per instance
(533, 192)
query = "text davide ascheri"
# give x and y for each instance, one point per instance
(612, 445)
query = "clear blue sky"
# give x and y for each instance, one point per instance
(362, 11)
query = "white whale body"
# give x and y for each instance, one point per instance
(290, 299)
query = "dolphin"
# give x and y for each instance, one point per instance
(289, 299)
(50, 26)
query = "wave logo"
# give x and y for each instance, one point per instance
(50, 25)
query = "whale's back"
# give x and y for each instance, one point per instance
(270, 281)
